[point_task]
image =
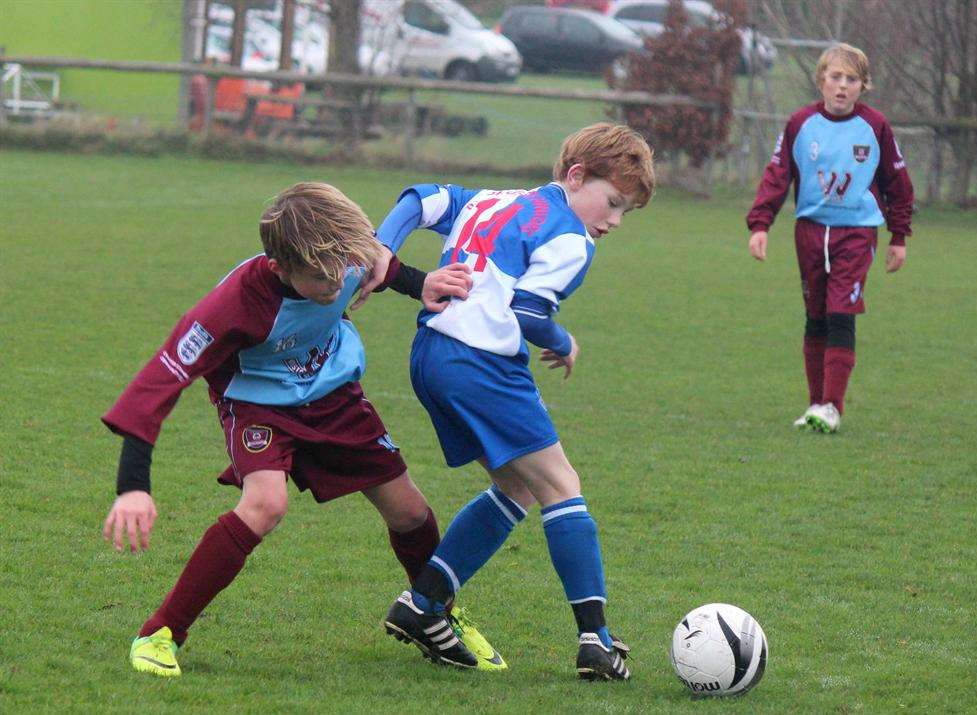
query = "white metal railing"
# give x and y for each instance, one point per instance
(22, 89)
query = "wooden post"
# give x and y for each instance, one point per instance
(209, 106)
(410, 121)
(3, 101)
(237, 36)
(288, 32)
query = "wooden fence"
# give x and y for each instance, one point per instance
(410, 84)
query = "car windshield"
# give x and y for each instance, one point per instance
(613, 28)
(461, 14)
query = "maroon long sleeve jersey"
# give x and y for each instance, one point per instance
(846, 171)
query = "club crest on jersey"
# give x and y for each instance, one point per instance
(861, 152)
(256, 438)
(193, 343)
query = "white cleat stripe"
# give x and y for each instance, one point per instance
(444, 635)
(450, 644)
(440, 625)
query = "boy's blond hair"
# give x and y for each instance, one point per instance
(613, 152)
(315, 225)
(853, 59)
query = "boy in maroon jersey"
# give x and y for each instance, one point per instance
(849, 177)
(283, 363)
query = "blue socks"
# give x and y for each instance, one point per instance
(483, 525)
(474, 535)
(575, 551)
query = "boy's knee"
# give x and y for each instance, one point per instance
(264, 511)
(841, 330)
(816, 327)
(407, 517)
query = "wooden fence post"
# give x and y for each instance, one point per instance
(209, 107)
(410, 124)
(3, 101)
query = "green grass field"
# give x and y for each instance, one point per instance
(857, 553)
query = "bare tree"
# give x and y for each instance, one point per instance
(344, 36)
(924, 65)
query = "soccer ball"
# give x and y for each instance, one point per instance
(719, 649)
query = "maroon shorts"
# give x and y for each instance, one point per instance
(834, 263)
(333, 446)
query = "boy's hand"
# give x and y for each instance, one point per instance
(374, 278)
(564, 361)
(451, 281)
(758, 245)
(894, 258)
(134, 512)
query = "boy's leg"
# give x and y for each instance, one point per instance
(414, 536)
(815, 342)
(218, 558)
(809, 243)
(851, 259)
(476, 532)
(839, 358)
(571, 535)
(411, 524)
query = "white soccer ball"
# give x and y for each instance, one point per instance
(719, 649)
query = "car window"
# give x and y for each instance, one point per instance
(540, 24)
(644, 13)
(417, 14)
(461, 14)
(612, 28)
(581, 30)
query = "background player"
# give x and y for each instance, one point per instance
(849, 176)
(528, 251)
(282, 363)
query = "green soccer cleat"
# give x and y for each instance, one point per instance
(464, 627)
(155, 654)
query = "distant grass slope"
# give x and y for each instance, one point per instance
(102, 29)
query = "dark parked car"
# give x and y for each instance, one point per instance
(557, 38)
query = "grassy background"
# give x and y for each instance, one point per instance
(855, 552)
(105, 30)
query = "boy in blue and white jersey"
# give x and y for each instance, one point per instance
(528, 251)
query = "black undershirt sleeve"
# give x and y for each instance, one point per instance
(408, 281)
(134, 463)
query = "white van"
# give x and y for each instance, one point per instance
(441, 38)
(432, 38)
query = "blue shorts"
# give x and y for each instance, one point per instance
(481, 404)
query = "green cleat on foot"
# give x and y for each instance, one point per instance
(464, 627)
(155, 654)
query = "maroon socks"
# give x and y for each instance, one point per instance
(838, 364)
(218, 558)
(414, 548)
(814, 367)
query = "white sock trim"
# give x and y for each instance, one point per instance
(452, 577)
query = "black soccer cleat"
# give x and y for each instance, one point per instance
(431, 632)
(595, 661)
